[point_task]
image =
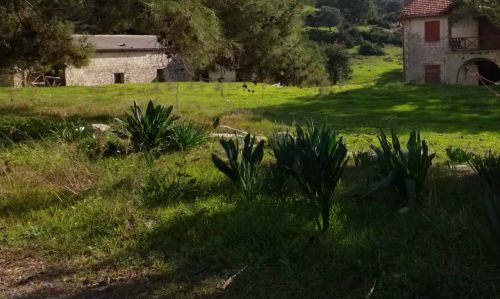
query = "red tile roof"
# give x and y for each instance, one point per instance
(426, 8)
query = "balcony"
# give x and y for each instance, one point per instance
(475, 43)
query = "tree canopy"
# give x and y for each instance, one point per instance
(488, 8)
(257, 37)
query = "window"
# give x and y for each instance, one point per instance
(119, 78)
(432, 31)
(432, 74)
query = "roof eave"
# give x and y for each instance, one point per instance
(130, 50)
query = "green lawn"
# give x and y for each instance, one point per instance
(374, 98)
(75, 226)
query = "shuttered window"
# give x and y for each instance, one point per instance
(432, 31)
(432, 74)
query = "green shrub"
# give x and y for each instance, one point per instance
(406, 171)
(369, 49)
(189, 134)
(152, 130)
(383, 36)
(245, 172)
(488, 169)
(316, 158)
(457, 155)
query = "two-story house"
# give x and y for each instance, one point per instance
(446, 43)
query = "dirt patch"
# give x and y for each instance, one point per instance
(24, 275)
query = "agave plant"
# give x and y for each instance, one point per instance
(242, 167)
(321, 159)
(189, 134)
(488, 169)
(152, 130)
(285, 153)
(406, 171)
(457, 155)
(362, 159)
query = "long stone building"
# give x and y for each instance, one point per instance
(122, 59)
(445, 43)
(118, 59)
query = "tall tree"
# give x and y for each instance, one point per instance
(488, 8)
(33, 34)
(189, 29)
(329, 16)
(357, 11)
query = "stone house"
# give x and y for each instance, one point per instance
(121, 59)
(444, 42)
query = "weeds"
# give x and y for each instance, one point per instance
(168, 185)
(105, 145)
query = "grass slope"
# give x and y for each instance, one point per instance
(374, 98)
(87, 223)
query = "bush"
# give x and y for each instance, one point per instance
(406, 171)
(151, 131)
(316, 158)
(326, 37)
(383, 36)
(245, 172)
(369, 49)
(189, 134)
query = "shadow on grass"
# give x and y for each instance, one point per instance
(441, 109)
(434, 251)
(283, 255)
(15, 114)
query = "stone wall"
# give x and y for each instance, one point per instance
(418, 53)
(137, 67)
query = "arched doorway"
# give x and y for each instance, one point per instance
(479, 71)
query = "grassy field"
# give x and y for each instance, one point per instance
(80, 227)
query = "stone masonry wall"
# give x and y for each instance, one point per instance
(418, 53)
(138, 67)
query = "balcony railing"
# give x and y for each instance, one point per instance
(475, 43)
